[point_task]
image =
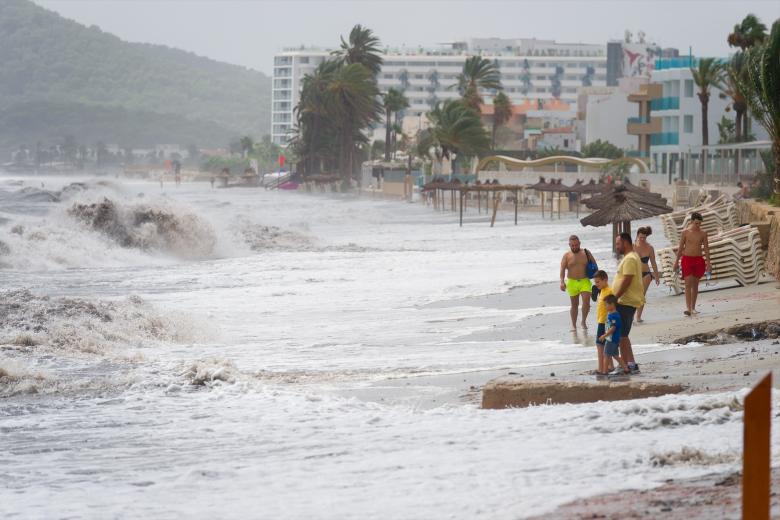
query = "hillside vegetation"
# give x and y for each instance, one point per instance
(48, 60)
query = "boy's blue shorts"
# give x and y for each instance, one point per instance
(611, 349)
(600, 330)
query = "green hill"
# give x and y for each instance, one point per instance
(47, 60)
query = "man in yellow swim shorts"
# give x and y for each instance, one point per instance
(574, 281)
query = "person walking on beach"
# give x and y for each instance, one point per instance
(630, 294)
(694, 246)
(601, 281)
(646, 254)
(575, 282)
(612, 337)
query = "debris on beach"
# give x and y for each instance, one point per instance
(745, 332)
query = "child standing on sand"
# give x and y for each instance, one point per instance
(601, 281)
(611, 336)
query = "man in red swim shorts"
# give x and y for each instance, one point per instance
(694, 247)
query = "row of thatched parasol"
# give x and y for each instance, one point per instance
(616, 204)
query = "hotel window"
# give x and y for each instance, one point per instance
(688, 88)
(304, 59)
(388, 76)
(688, 124)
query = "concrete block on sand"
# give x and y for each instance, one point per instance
(511, 392)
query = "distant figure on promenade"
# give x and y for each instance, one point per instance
(575, 282)
(212, 181)
(694, 246)
(161, 181)
(744, 191)
(177, 172)
(601, 281)
(630, 294)
(612, 337)
(646, 254)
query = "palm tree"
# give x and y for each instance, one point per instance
(747, 33)
(502, 112)
(731, 88)
(761, 86)
(353, 102)
(478, 74)
(707, 75)
(394, 101)
(314, 125)
(361, 48)
(457, 130)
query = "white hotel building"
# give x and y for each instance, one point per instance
(531, 69)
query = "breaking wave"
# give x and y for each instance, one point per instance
(87, 344)
(148, 227)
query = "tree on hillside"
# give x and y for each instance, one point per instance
(478, 74)
(246, 143)
(761, 88)
(363, 48)
(394, 101)
(502, 113)
(747, 33)
(603, 149)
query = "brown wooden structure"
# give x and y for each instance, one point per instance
(757, 452)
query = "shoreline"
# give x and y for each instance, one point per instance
(699, 368)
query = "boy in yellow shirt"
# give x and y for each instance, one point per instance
(601, 281)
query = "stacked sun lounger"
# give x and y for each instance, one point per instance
(735, 254)
(719, 215)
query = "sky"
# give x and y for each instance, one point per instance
(250, 32)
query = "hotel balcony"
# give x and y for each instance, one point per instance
(646, 92)
(667, 103)
(665, 138)
(643, 125)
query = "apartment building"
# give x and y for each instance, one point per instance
(531, 69)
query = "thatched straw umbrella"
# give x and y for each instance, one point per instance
(622, 204)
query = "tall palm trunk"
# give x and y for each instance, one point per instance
(704, 97)
(493, 135)
(388, 135)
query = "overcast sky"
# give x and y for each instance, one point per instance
(249, 32)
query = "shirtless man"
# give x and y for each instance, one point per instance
(574, 281)
(693, 241)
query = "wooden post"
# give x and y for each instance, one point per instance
(495, 209)
(559, 205)
(757, 451)
(479, 202)
(542, 199)
(516, 202)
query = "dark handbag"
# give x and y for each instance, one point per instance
(592, 267)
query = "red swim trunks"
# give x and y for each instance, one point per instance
(692, 266)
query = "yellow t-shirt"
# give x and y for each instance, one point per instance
(635, 294)
(601, 308)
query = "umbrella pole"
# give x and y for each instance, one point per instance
(559, 206)
(542, 204)
(516, 207)
(479, 203)
(614, 236)
(461, 209)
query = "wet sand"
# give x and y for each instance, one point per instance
(699, 368)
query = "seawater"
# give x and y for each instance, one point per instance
(186, 353)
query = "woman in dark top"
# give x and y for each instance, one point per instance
(646, 253)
